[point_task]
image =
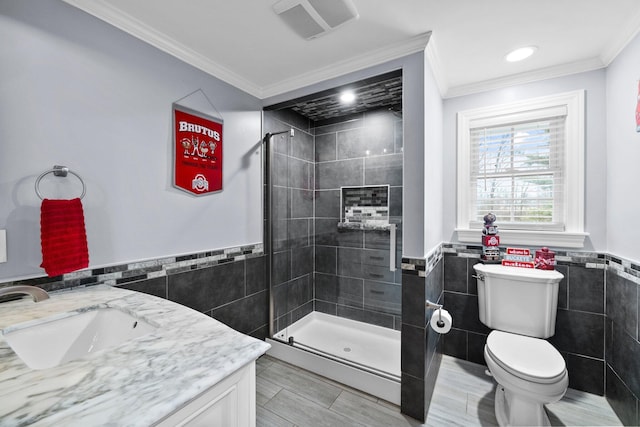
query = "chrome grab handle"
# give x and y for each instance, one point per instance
(392, 247)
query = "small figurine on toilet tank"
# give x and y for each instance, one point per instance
(490, 240)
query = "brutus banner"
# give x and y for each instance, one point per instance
(197, 141)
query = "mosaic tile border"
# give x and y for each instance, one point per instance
(422, 266)
(142, 270)
(466, 251)
(618, 265)
(149, 269)
(624, 268)
(573, 258)
(415, 266)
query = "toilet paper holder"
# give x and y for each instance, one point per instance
(429, 304)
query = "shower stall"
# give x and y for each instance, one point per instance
(333, 234)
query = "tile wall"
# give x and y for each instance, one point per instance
(293, 182)
(596, 326)
(226, 284)
(421, 352)
(350, 268)
(622, 331)
(352, 274)
(597, 330)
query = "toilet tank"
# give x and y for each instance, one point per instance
(519, 300)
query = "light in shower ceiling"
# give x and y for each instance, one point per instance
(313, 18)
(347, 97)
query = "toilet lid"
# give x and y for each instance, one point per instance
(526, 357)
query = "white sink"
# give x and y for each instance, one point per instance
(54, 341)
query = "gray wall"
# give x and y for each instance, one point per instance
(595, 155)
(623, 284)
(78, 92)
(623, 152)
(434, 179)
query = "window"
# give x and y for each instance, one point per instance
(525, 163)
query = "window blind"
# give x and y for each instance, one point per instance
(517, 170)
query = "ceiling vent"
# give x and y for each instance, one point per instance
(313, 18)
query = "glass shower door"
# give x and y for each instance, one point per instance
(290, 224)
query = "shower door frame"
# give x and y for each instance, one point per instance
(268, 161)
(269, 220)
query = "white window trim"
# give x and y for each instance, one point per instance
(573, 235)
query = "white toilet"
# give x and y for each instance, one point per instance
(520, 305)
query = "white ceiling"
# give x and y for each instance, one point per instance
(244, 43)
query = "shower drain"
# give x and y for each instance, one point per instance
(346, 349)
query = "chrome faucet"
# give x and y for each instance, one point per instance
(38, 294)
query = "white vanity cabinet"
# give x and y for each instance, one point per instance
(230, 403)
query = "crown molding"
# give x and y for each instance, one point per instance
(102, 10)
(624, 37)
(338, 69)
(113, 16)
(439, 74)
(105, 12)
(524, 78)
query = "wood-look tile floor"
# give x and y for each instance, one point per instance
(463, 396)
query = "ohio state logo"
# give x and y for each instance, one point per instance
(200, 183)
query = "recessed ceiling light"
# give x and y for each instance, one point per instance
(520, 53)
(347, 97)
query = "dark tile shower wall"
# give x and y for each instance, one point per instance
(421, 345)
(352, 275)
(597, 327)
(226, 284)
(293, 183)
(622, 351)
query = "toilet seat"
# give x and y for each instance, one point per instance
(528, 358)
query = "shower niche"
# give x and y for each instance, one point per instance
(367, 208)
(364, 207)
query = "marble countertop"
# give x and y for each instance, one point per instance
(136, 383)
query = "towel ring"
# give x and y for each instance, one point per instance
(59, 171)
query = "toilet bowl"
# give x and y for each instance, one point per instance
(530, 373)
(520, 306)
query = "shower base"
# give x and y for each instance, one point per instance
(360, 355)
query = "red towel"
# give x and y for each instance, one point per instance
(63, 236)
